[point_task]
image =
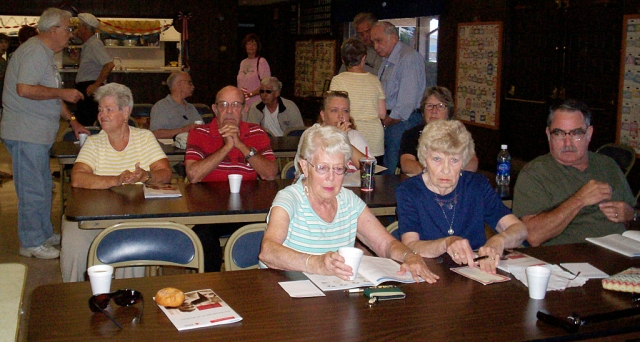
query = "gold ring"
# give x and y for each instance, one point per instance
(616, 214)
(492, 259)
(455, 255)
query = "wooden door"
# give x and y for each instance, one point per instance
(556, 50)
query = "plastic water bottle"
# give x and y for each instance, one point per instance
(503, 171)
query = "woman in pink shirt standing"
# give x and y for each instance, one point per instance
(252, 69)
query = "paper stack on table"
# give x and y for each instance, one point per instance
(559, 280)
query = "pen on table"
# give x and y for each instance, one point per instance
(567, 270)
(356, 290)
(480, 258)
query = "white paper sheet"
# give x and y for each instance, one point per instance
(301, 289)
(559, 280)
(586, 270)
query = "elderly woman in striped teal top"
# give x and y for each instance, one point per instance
(315, 216)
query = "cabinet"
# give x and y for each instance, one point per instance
(557, 50)
(147, 87)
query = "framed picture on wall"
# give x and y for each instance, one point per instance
(629, 92)
(478, 70)
(315, 65)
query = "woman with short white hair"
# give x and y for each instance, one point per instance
(315, 216)
(445, 209)
(118, 155)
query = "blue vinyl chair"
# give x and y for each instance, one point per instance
(243, 247)
(294, 132)
(288, 171)
(203, 109)
(147, 244)
(141, 110)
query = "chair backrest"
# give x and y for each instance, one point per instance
(147, 244)
(141, 110)
(70, 135)
(624, 155)
(392, 228)
(203, 109)
(243, 247)
(294, 132)
(288, 171)
(207, 118)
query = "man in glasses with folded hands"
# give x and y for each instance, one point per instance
(274, 113)
(226, 146)
(571, 194)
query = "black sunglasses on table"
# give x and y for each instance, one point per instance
(125, 297)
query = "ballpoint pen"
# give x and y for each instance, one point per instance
(356, 290)
(480, 258)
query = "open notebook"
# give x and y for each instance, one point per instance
(372, 272)
(626, 244)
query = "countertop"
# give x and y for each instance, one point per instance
(132, 70)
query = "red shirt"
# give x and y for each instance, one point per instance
(204, 141)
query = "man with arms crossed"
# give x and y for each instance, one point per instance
(571, 194)
(226, 146)
(403, 79)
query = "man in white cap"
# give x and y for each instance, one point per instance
(95, 66)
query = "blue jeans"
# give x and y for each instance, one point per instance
(32, 180)
(392, 139)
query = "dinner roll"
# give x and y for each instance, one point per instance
(169, 297)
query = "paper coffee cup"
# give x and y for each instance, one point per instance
(82, 137)
(352, 257)
(100, 277)
(235, 181)
(537, 281)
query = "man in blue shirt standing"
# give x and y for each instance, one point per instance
(403, 79)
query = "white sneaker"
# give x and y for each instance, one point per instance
(43, 251)
(54, 240)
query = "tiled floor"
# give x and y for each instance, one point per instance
(40, 272)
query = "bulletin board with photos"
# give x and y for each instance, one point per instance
(315, 66)
(478, 70)
(629, 94)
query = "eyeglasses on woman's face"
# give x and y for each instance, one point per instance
(439, 106)
(322, 169)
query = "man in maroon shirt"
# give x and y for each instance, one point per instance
(229, 145)
(226, 146)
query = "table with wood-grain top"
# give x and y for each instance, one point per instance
(455, 308)
(203, 202)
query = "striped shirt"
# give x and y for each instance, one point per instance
(206, 140)
(308, 233)
(98, 153)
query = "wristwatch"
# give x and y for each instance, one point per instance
(148, 177)
(252, 152)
